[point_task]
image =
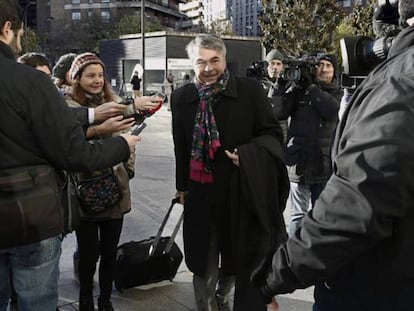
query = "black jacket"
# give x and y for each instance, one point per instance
(275, 91)
(244, 204)
(136, 83)
(241, 114)
(37, 127)
(313, 116)
(359, 236)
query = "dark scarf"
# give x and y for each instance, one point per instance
(206, 138)
(94, 99)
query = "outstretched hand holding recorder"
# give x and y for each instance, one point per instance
(138, 129)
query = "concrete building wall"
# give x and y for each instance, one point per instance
(164, 53)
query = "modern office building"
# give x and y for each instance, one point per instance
(194, 16)
(241, 15)
(78, 11)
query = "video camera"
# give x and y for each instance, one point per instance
(297, 69)
(257, 70)
(361, 54)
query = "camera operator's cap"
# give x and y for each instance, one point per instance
(274, 54)
(330, 58)
(81, 61)
(62, 66)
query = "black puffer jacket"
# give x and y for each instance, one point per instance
(313, 116)
(359, 236)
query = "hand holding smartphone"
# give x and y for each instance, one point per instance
(138, 129)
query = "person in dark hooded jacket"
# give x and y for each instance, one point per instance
(312, 106)
(357, 240)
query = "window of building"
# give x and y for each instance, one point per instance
(105, 15)
(75, 1)
(76, 16)
(105, 1)
(346, 3)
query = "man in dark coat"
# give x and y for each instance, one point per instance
(358, 239)
(313, 110)
(38, 134)
(228, 151)
(273, 86)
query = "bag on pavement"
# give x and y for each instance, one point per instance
(149, 261)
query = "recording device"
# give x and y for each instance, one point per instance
(138, 129)
(257, 70)
(299, 69)
(140, 115)
(127, 101)
(130, 111)
(361, 54)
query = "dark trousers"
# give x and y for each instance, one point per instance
(98, 238)
(326, 299)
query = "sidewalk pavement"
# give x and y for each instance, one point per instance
(152, 189)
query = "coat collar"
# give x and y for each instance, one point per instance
(403, 40)
(6, 51)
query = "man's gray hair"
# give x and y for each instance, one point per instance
(406, 10)
(205, 41)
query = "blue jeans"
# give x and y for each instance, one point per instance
(35, 270)
(301, 198)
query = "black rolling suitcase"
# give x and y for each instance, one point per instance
(149, 261)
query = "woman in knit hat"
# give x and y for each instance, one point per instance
(98, 234)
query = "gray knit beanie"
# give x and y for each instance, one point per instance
(62, 66)
(274, 54)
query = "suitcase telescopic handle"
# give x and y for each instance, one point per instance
(161, 229)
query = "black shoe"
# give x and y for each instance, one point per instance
(105, 306)
(86, 303)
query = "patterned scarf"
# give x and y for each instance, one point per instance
(206, 138)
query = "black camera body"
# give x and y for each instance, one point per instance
(298, 69)
(257, 70)
(361, 54)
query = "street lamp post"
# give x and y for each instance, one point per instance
(25, 22)
(143, 44)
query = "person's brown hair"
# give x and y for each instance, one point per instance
(11, 11)
(79, 94)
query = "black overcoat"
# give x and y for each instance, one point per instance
(242, 113)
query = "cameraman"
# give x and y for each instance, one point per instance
(313, 108)
(358, 237)
(273, 86)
